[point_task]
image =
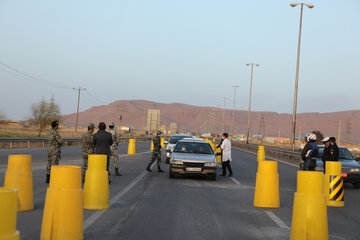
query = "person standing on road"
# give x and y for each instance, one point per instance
(88, 147)
(331, 151)
(335, 147)
(103, 140)
(226, 154)
(310, 152)
(54, 148)
(156, 152)
(114, 148)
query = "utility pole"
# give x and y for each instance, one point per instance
(223, 121)
(121, 110)
(78, 104)
(338, 135)
(233, 116)
(299, 136)
(218, 118)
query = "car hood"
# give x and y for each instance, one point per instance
(344, 164)
(193, 157)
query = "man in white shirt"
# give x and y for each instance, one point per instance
(226, 154)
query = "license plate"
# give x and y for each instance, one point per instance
(193, 169)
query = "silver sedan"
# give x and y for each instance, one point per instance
(193, 157)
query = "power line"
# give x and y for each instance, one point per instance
(16, 72)
(95, 98)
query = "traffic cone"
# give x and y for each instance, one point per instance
(64, 205)
(8, 202)
(162, 143)
(96, 187)
(131, 147)
(152, 146)
(334, 185)
(267, 185)
(261, 154)
(18, 175)
(309, 217)
(218, 157)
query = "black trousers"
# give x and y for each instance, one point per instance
(228, 166)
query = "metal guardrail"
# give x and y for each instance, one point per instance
(271, 151)
(41, 142)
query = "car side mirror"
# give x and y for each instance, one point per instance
(357, 159)
(166, 142)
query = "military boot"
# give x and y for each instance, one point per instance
(148, 167)
(47, 178)
(117, 172)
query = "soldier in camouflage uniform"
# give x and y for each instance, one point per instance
(54, 148)
(114, 148)
(88, 147)
(156, 152)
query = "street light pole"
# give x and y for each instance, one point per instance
(297, 72)
(252, 71)
(233, 116)
(223, 121)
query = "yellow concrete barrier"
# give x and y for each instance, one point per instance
(18, 175)
(309, 217)
(334, 185)
(131, 147)
(261, 153)
(162, 143)
(96, 187)
(8, 202)
(63, 211)
(267, 185)
(152, 146)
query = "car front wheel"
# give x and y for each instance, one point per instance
(171, 174)
(213, 177)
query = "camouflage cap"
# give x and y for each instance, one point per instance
(111, 124)
(91, 126)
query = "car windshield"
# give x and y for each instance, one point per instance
(194, 147)
(175, 139)
(344, 154)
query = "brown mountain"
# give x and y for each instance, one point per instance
(204, 119)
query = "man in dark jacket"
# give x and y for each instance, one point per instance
(310, 152)
(103, 140)
(331, 151)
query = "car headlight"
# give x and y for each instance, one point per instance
(319, 168)
(168, 154)
(210, 164)
(177, 162)
(355, 170)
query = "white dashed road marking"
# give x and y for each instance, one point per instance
(277, 220)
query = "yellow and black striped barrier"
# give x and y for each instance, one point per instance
(334, 185)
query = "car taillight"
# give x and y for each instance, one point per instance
(344, 174)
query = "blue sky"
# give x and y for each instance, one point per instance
(179, 51)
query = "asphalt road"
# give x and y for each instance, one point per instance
(152, 206)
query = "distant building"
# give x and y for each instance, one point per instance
(173, 128)
(153, 119)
